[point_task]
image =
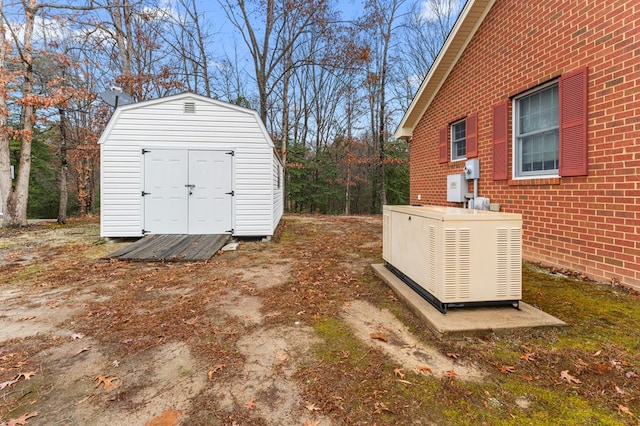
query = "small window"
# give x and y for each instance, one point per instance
(536, 151)
(459, 140)
(190, 107)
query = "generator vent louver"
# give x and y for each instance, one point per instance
(457, 261)
(189, 107)
(432, 258)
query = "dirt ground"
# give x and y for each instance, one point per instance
(89, 341)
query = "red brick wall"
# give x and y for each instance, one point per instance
(589, 224)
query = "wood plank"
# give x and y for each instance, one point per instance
(172, 248)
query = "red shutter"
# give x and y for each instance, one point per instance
(573, 123)
(443, 145)
(472, 135)
(500, 141)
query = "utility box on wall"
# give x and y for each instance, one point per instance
(455, 257)
(456, 188)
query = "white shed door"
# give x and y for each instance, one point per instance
(187, 192)
(210, 199)
(165, 195)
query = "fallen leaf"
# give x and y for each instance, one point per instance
(398, 372)
(83, 400)
(282, 357)
(529, 356)
(214, 370)
(631, 375)
(116, 363)
(26, 318)
(527, 378)
(453, 355)
(312, 407)
(251, 404)
(380, 407)
(405, 382)
(9, 383)
(28, 375)
(597, 353)
(167, 418)
(581, 363)
(22, 420)
(624, 409)
(107, 382)
(77, 336)
(620, 391)
(345, 354)
(379, 336)
(569, 378)
(86, 348)
(451, 374)
(507, 369)
(423, 369)
(602, 368)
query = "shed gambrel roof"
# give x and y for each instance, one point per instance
(465, 27)
(184, 97)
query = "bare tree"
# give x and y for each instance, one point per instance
(230, 83)
(188, 36)
(426, 28)
(380, 20)
(271, 31)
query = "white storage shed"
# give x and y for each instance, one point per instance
(188, 164)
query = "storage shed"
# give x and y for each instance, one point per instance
(188, 164)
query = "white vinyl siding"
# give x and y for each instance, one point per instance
(163, 124)
(278, 195)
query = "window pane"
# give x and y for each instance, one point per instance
(539, 152)
(539, 110)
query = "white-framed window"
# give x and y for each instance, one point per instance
(459, 140)
(535, 132)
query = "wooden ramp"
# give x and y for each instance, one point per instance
(172, 248)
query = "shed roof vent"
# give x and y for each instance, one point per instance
(190, 107)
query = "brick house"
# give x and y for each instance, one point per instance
(546, 95)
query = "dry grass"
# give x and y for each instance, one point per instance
(588, 373)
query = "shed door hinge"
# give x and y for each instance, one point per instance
(144, 151)
(232, 193)
(144, 232)
(145, 193)
(230, 231)
(231, 153)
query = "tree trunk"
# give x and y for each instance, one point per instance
(5, 156)
(16, 213)
(64, 168)
(121, 17)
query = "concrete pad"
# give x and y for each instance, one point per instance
(470, 320)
